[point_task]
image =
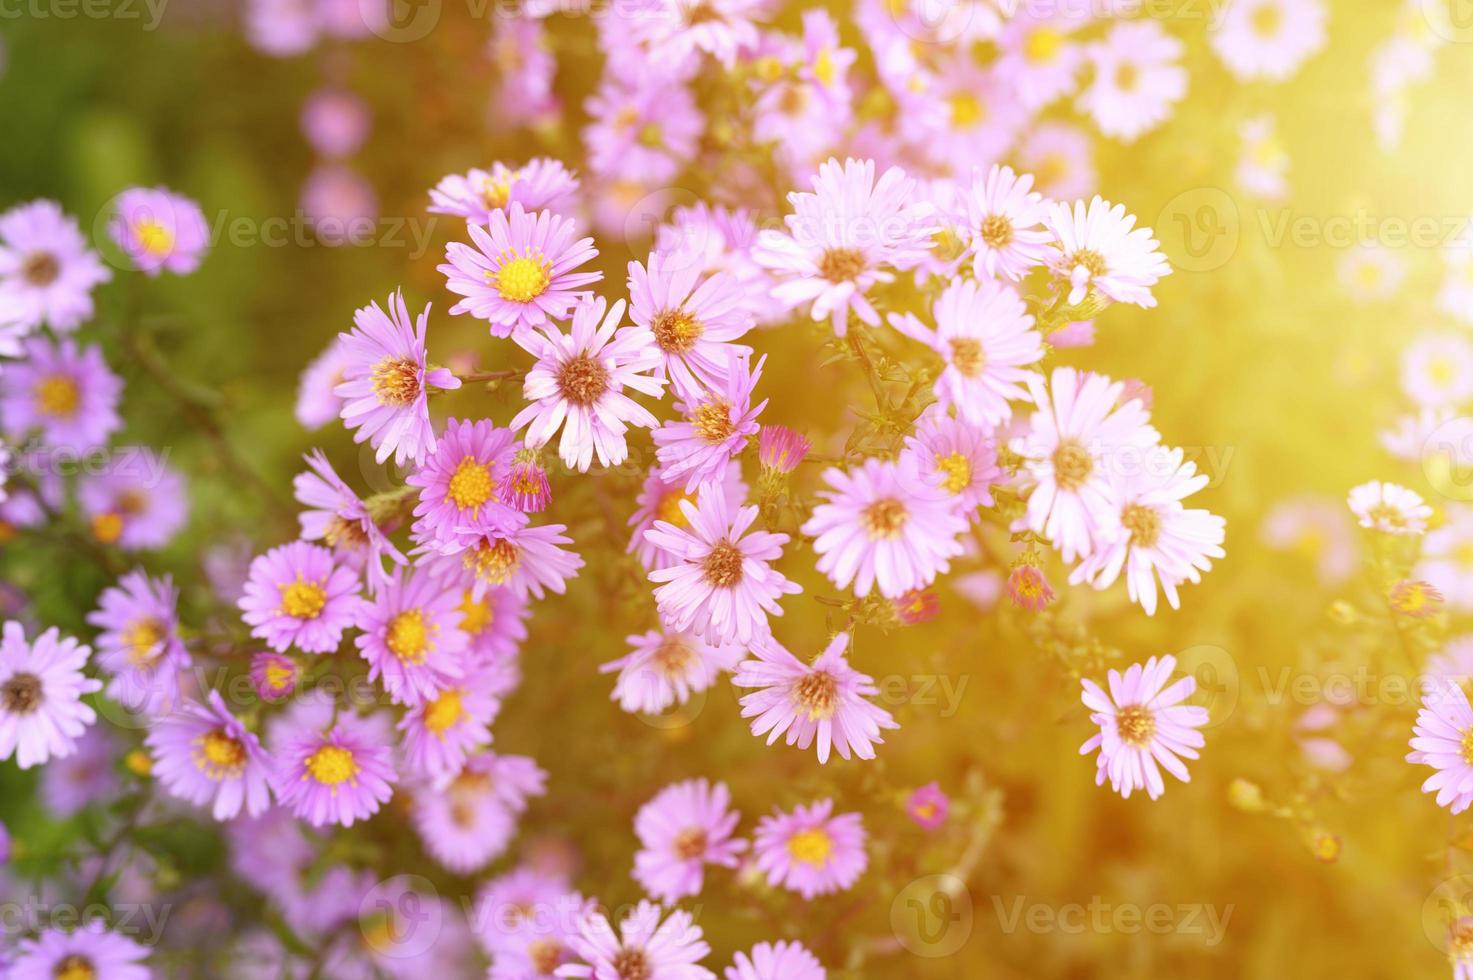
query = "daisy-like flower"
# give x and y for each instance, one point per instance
(675, 30)
(644, 123)
(578, 383)
(882, 525)
(928, 806)
(135, 502)
(715, 427)
(1370, 271)
(296, 594)
(69, 395)
(665, 669)
(90, 951)
(826, 700)
(644, 946)
(722, 586)
(1263, 169)
(1150, 535)
(528, 560)
(1060, 157)
(776, 961)
(462, 824)
(693, 317)
(86, 777)
(494, 622)
(985, 336)
(339, 519)
(47, 272)
(460, 482)
(331, 771)
(518, 272)
(386, 383)
(159, 230)
(1142, 723)
(1437, 370)
(1037, 56)
(540, 183)
(274, 676)
(1100, 251)
(446, 727)
(1441, 739)
(844, 238)
(1028, 588)
(411, 637)
(317, 400)
(959, 458)
(1137, 79)
(202, 752)
(687, 826)
(1414, 599)
(810, 851)
(1268, 39)
(1005, 229)
(139, 644)
(659, 499)
(524, 485)
(780, 449)
(1389, 508)
(517, 908)
(960, 114)
(41, 688)
(1080, 435)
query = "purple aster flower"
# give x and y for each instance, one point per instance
(411, 637)
(780, 449)
(578, 383)
(645, 125)
(693, 317)
(665, 669)
(317, 401)
(524, 484)
(136, 502)
(1005, 224)
(41, 688)
(139, 644)
(445, 728)
(520, 270)
(274, 676)
(660, 499)
(70, 396)
(687, 826)
(529, 560)
(386, 383)
(47, 272)
(723, 586)
(643, 947)
(1142, 723)
(928, 806)
(716, 426)
(776, 961)
(539, 184)
(826, 700)
(1439, 740)
(338, 518)
(159, 230)
(296, 594)
(959, 458)
(460, 496)
(86, 777)
(202, 752)
(495, 623)
(330, 770)
(810, 852)
(462, 825)
(90, 951)
(674, 31)
(883, 525)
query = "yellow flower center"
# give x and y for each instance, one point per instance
(967, 110)
(143, 639)
(153, 237)
(475, 616)
(997, 230)
(967, 356)
(303, 600)
(1266, 20)
(1042, 46)
(1144, 525)
(470, 485)
(672, 656)
(522, 279)
(279, 675)
(40, 268)
(219, 755)
(690, 843)
(884, 518)
(408, 636)
(495, 562)
(712, 421)
(107, 527)
(396, 381)
(841, 264)
(958, 472)
(583, 380)
(1072, 465)
(1136, 725)
(812, 846)
(668, 508)
(1127, 76)
(58, 396)
(824, 70)
(74, 967)
(818, 694)
(496, 191)
(443, 712)
(723, 566)
(676, 331)
(331, 765)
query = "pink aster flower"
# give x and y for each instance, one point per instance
(330, 770)
(1060, 157)
(1037, 57)
(524, 485)
(87, 777)
(1444, 722)
(882, 524)
(335, 122)
(928, 806)
(644, 946)
(693, 317)
(411, 637)
(1081, 433)
(274, 676)
(524, 918)
(959, 458)
(139, 642)
(715, 427)
(844, 238)
(202, 752)
(159, 230)
(339, 519)
(1389, 508)
(723, 586)
(1268, 39)
(963, 114)
(459, 483)
(826, 700)
(494, 622)
(136, 501)
(296, 594)
(1028, 588)
(1101, 251)
(47, 272)
(665, 669)
(776, 961)
(443, 730)
(578, 384)
(519, 271)
(539, 184)
(674, 31)
(687, 826)
(986, 339)
(809, 851)
(68, 395)
(462, 825)
(41, 688)
(1138, 77)
(386, 383)
(89, 951)
(1142, 723)
(1005, 229)
(645, 125)
(528, 560)
(780, 449)
(317, 400)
